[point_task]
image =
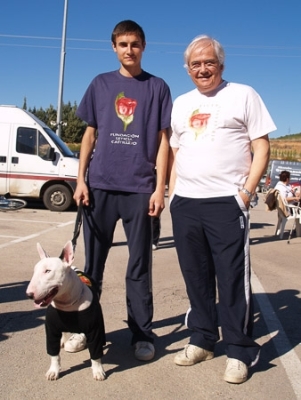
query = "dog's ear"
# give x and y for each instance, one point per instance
(42, 252)
(67, 254)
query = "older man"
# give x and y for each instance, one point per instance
(215, 127)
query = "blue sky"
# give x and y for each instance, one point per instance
(261, 40)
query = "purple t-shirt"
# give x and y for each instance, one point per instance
(128, 113)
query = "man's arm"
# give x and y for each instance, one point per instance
(87, 146)
(172, 170)
(261, 150)
(156, 203)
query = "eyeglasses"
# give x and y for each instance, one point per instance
(210, 64)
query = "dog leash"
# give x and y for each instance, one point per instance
(78, 224)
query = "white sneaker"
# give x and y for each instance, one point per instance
(144, 351)
(192, 355)
(236, 371)
(76, 342)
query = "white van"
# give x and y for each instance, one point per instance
(274, 169)
(34, 161)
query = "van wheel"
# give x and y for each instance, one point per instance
(57, 198)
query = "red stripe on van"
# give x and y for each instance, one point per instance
(37, 177)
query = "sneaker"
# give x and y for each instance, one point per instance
(76, 342)
(236, 371)
(144, 351)
(192, 355)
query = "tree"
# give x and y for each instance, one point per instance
(72, 128)
(41, 114)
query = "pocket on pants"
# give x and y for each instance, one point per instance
(240, 203)
(171, 198)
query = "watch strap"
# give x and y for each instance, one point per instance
(246, 191)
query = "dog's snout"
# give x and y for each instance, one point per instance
(29, 295)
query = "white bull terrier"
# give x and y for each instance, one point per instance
(72, 306)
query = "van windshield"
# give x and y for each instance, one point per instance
(64, 149)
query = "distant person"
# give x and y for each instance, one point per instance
(130, 110)
(156, 232)
(212, 182)
(285, 189)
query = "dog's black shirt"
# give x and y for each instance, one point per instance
(88, 321)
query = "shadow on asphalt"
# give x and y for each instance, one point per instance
(287, 307)
(271, 239)
(164, 243)
(18, 320)
(39, 205)
(256, 225)
(286, 304)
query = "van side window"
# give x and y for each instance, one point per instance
(44, 147)
(26, 141)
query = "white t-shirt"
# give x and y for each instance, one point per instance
(213, 135)
(284, 190)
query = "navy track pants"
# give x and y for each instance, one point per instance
(99, 222)
(212, 242)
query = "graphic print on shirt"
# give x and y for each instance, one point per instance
(199, 122)
(202, 121)
(125, 108)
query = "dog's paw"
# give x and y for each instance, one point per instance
(99, 375)
(52, 375)
(97, 370)
(54, 371)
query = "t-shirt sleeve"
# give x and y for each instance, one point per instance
(259, 121)
(166, 107)
(174, 139)
(86, 108)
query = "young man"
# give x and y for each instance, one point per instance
(212, 182)
(128, 112)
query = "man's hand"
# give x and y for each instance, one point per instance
(81, 194)
(245, 198)
(156, 204)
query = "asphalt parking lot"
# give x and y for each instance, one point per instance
(276, 285)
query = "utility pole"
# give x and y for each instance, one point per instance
(61, 78)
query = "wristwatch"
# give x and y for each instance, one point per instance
(245, 191)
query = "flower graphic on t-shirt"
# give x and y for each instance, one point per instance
(198, 122)
(125, 108)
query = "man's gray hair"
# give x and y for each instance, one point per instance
(218, 48)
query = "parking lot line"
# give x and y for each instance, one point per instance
(36, 221)
(287, 355)
(8, 236)
(22, 239)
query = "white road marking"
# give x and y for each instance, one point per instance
(22, 239)
(8, 236)
(287, 355)
(31, 221)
